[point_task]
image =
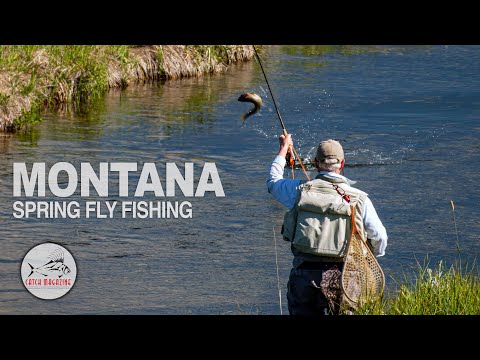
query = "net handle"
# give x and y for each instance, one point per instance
(353, 223)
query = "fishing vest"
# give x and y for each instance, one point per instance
(319, 223)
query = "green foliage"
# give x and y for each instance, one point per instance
(438, 291)
(319, 50)
(28, 117)
(4, 99)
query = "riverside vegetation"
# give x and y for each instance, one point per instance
(33, 77)
(443, 290)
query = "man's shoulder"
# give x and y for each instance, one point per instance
(323, 183)
(358, 191)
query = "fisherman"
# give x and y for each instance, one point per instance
(317, 228)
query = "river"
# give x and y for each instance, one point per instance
(407, 116)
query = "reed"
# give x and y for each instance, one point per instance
(457, 244)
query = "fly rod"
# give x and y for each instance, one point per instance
(292, 148)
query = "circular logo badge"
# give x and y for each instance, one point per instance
(48, 271)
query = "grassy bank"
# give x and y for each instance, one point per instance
(35, 77)
(439, 291)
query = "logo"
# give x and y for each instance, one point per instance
(48, 271)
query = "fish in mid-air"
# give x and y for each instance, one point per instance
(255, 100)
(55, 265)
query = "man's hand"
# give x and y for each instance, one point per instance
(285, 143)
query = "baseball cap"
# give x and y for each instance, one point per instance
(329, 149)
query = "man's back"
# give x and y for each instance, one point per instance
(318, 226)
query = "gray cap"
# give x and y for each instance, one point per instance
(329, 149)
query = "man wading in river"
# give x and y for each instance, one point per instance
(318, 231)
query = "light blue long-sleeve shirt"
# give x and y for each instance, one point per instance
(285, 191)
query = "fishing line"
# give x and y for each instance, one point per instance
(278, 276)
(278, 113)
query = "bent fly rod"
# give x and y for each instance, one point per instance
(293, 151)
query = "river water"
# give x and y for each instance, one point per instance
(407, 116)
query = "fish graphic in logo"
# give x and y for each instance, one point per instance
(48, 271)
(56, 265)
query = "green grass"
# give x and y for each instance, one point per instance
(33, 77)
(320, 50)
(453, 290)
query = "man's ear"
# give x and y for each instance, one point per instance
(342, 164)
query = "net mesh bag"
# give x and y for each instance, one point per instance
(362, 277)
